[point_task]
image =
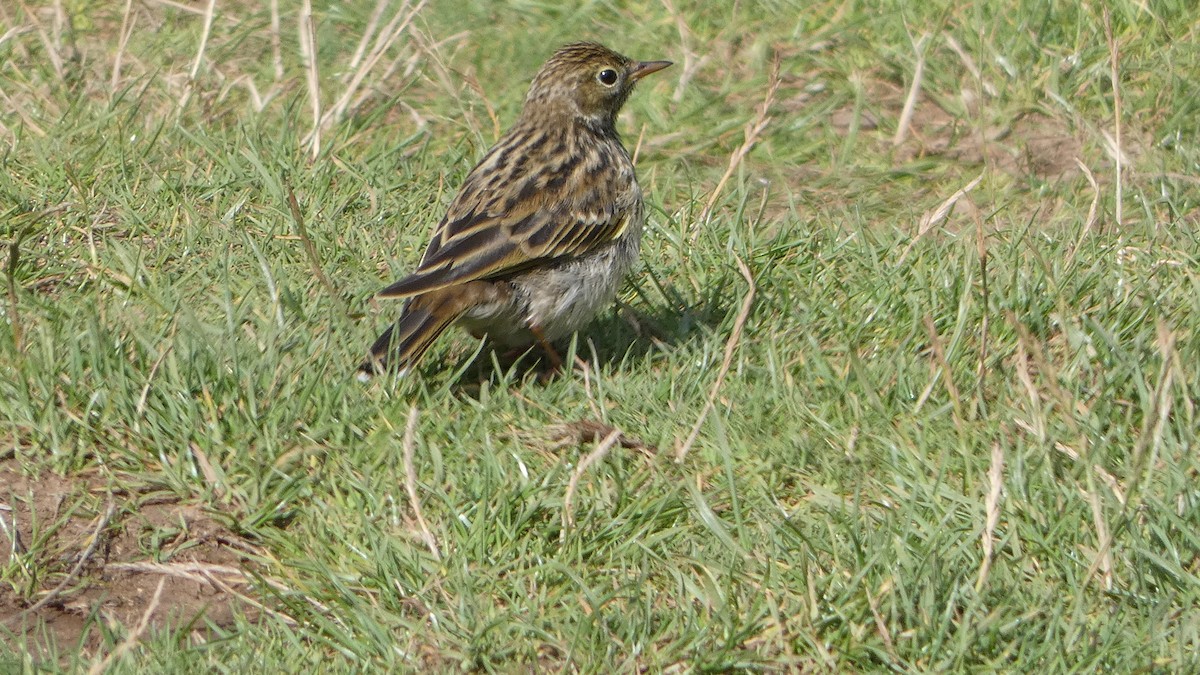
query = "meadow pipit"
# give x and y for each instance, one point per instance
(545, 227)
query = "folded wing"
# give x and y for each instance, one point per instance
(517, 218)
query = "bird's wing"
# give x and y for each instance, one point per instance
(508, 217)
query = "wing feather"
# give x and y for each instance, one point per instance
(531, 199)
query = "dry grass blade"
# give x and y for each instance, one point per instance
(192, 571)
(206, 469)
(591, 431)
(13, 32)
(180, 7)
(362, 63)
(1103, 561)
(409, 62)
(881, 626)
(1155, 420)
(383, 41)
(991, 507)
(754, 129)
(127, 21)
(939, 356)
(140, 407)
(1110, 481)
(365, 39)
(410, 483)
(1069, 410)
(637, 147)
(969, 64)
(276, 40)
(308, 54)
(1092, 209)
(602, 450)
(1038, 427)
(1114, 75)
(472, 81)
(56, 59)
(938, 215)
(10, 532)
(981, 369)
(223, 577)
(730, 346)
(84, 557)
(14, 259)
(914, 91)
(1032, 348)
(28, 120)
(130, 640)
(209, 13)
(691, 63)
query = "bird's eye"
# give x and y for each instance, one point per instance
(607, 77)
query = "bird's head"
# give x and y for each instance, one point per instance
(587, 80)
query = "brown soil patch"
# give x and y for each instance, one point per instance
(86, 564)
(1033, 144)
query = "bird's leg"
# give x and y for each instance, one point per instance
(551, 353)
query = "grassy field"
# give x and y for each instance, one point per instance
(907, 380)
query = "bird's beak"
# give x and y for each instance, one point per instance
(644, 68)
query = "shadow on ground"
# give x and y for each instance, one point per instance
(624, 335)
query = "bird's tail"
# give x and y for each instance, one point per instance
(422, 320)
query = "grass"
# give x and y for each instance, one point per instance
(950, 442)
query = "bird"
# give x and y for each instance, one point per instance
(543, 230)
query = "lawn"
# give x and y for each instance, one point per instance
(907, 379)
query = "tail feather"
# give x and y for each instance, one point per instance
(407, 340)
(422, 320)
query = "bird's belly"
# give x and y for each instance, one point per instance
(558, 300)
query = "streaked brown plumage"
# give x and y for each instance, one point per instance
(545, 227)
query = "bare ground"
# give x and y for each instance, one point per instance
(86, 562)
